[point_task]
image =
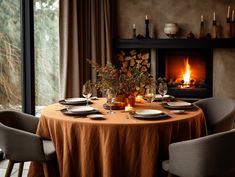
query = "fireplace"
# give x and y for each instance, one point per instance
(187, 71)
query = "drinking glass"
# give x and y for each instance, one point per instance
(162, 89)
(87, 91)
(150, 94)
(111, 97)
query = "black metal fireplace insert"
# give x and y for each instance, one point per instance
(189, 72)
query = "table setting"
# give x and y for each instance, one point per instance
(147, 126)
(75, 101)
(178, 105)
(82, 107)
(149, 114)
(143, 110)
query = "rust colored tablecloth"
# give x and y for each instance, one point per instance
(117, 146)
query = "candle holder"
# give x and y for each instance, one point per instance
(134, 33)
(227, 28)
(233, 25)
(214, 29)
(146, 28)
(233, 29)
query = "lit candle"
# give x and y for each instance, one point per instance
(133, 26)
(201, 18)
(128, 108)
(214, 16)
(139, 99)
(233, 15)
(228, 12)
(146, 17)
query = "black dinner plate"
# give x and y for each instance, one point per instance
(74, 103)
(150, 117)
(166, 98)
(165, 105)
(85, 113)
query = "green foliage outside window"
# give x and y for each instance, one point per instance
(46, 37)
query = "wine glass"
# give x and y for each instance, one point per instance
(87, 91)
(162, 89)
(111, 97)
(150, 94)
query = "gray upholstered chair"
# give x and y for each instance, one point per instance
(219, 113)
(208, 156)
(19, 142)
(1, 155)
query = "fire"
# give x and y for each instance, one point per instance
(186, 74)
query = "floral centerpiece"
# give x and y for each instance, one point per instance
(129, 84)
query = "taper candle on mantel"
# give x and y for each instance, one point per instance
(228, 13)
(233, 25)
(134, 31)
(227, 26)
(146, 27)
(214, 28)
(202, 32)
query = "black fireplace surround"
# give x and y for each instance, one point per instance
(185, 47)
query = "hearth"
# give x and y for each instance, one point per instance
(187, 71)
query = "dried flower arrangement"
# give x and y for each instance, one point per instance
(128, 83)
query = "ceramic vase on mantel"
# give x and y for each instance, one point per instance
(171, 29)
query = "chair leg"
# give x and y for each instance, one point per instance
(45, 169)
(9, 168)
(21, 166)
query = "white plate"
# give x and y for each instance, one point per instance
(148, 112)
(178, 111)
(178, 104)
(158, 96)
(72, 100)
(96, 116)
(78, 109)
(94, 98)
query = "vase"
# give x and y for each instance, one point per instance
(171, 29)
(128, 99)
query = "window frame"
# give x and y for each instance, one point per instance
(28, 59)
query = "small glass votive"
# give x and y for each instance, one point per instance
(128, 108)
(150, 97)
(139, 99)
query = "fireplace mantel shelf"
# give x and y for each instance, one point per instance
(174, 43)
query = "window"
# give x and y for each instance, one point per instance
(10, 55)
(46, 52)
(46, 37)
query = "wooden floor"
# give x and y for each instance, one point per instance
(3, 167)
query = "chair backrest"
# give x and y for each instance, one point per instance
(219, 113)
(19, 120)
(212, 155)
(18, 140)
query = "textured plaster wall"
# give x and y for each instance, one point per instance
(187, 15)
(224, 73)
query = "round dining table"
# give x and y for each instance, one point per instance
(118, 145)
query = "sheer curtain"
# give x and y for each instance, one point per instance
(85, 32)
